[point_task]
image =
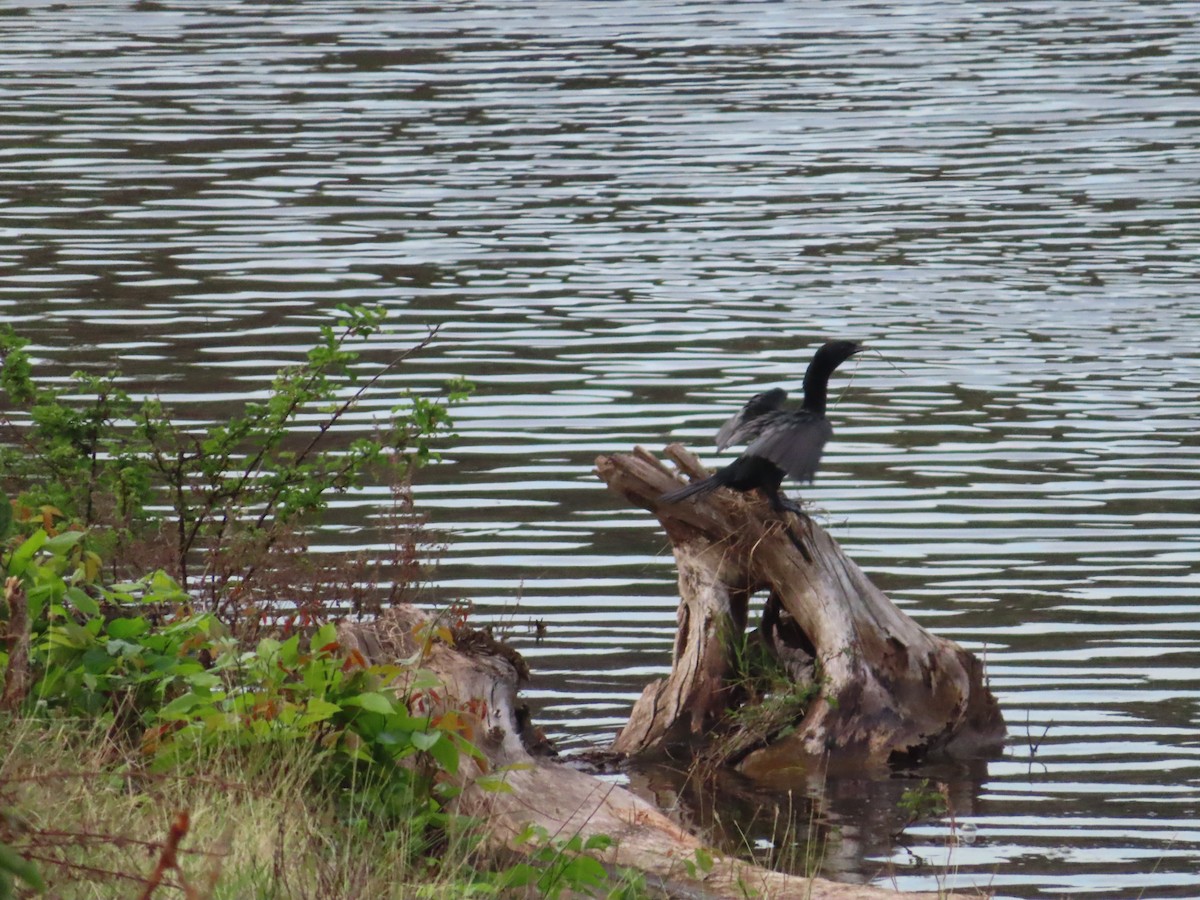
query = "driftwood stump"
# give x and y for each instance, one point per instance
(478, 681)
(881, 689)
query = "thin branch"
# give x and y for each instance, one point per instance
(61, 473)
(91, 870)
(52, 837)
(350, 402)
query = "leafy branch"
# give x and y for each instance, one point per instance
(95, 457)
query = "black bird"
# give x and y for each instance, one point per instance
(779, 441)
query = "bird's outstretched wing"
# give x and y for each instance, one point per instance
(793, 441)
(745, 426)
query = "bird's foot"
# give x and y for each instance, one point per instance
(782, 504)
(793, 507)
(798, 543)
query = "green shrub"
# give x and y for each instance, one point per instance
(239, 492)
(183, 669)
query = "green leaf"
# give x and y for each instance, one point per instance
(23, 554)
(218, 721)
(325, 635)
(45, 591)
(11, 861)
(289, 651)
(268, 649)
(6, 516)
(318, 710)
(358, 752)
(465, 746)
(425, 680)
(201, 680)
(372, 702)
(585, 870)
(127, 628)
(424, 740)
(494, 784)
(61, 543)
(181, 706)
(96, 660)
(165, 588)
(118, 647)
(445, 754)
(82, 602)
(600, 842)
(397, 739)
(520, 875)
(528, 833)
(69, 634)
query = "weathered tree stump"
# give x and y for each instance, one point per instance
(479, 681)
(883, 689)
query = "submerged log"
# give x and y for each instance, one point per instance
(876, 687)
(478, 681)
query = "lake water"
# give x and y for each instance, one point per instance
(627, 217)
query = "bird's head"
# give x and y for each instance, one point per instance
(842, 350)
(831, 355)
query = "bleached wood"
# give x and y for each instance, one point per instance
(889, 689)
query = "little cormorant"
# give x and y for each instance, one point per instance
(779, 441)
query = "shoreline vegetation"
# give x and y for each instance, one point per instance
(170, 727)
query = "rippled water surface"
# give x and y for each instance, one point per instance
(628, 216)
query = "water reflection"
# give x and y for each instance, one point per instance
(845, 828)
(628, 216)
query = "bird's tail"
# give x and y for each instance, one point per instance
(703, 486)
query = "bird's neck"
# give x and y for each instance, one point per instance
(816, 388)
(814, 401)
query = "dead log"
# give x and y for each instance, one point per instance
(16, 675)
(479, 681)
(883, 689)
